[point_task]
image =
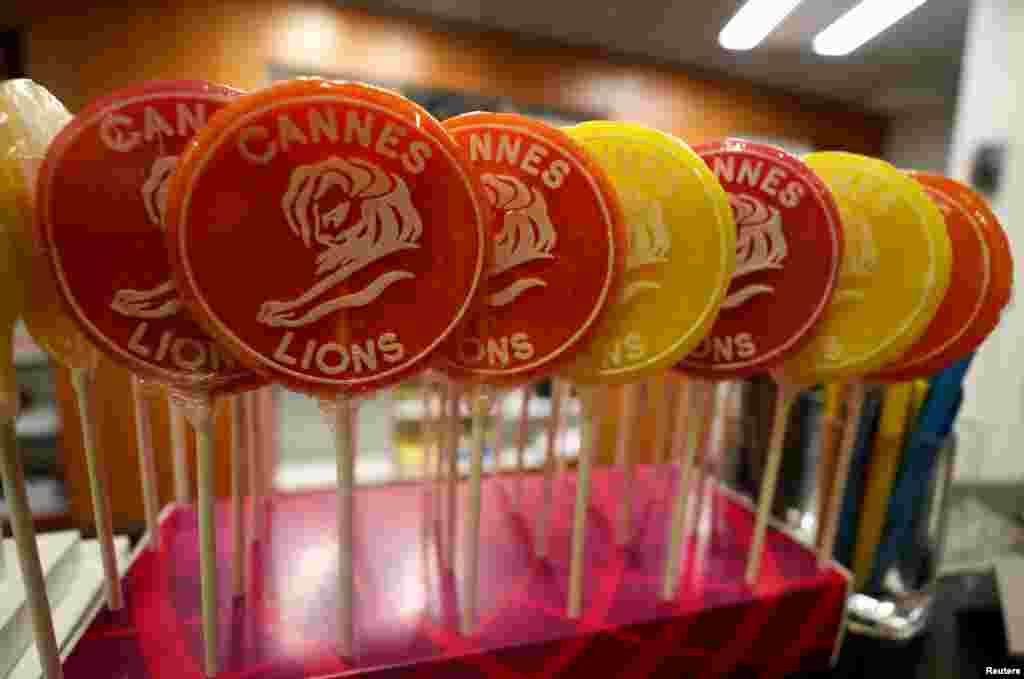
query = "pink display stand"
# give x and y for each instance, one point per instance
(408, 602)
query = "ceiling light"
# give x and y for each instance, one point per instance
(861, 24)
(753, 22)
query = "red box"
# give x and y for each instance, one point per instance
(407, 606)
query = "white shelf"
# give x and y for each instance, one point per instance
(78, 604)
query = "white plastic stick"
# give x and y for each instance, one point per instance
(854, 406)
(659, 389)
(524, 439)
(588, 396)
(238, 541)
(689, 429)
(205, 470)
(499, 432)
(13, 478)
(550, 454)
(179, 450)
(254, 417)
(784, 398)
(147, 463)
(562, 448)
(427, 438)
(699, 481)
(82, 381)
(454, 429)
(269, 445)
(471, 603)
(439, 457)
(624, 459)
(346, 495)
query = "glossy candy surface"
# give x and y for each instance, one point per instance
(330, 234)
(102, 196)
(895, 270)
(788, 251)
(559, 249)
(680, 258)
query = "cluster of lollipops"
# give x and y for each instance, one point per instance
(336, 239)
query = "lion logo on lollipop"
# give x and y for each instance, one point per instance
(649, 244)
(760, 245)
(160, 301)
(526, 234)
(355, 214)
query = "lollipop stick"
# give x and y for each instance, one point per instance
(454, 428)
(472, 554)
(830, 427)
(706, 424)
(28, 551)
(854, 405)
(543, 519)
(270, 446)
(623, 458)
(499, 432)
(254, 441)
(428, 450)
(346, 493)
(82, 381)
(179, 445)
(579, 532)
(205, 467)
(659, 390)
(237, 496)
(689, 432)
(524, 437)
(784, 399)
(147, 463)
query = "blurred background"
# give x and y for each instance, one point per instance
(935, 90)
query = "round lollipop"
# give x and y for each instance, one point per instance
(982, 279)
(133, 313)
(32, 117)
(895, 272)
(366, 213)
(679, 260)
(558, 252)
(12, 307)
(788, 252)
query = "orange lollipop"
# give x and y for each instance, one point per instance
(982, 279)
(362, 230)
(559, 253)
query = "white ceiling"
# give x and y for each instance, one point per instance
(915, 64)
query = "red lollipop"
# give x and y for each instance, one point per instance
(102, 197)
(788, 251)
(789, 248)
(559, 253)
(358, 206)
(332, 236)
(982, 280)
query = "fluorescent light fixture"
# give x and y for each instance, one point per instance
(753, 22)
(862, 23)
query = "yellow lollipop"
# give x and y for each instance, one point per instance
(894, 275)
(11, 467)
(31, 118)
(681, 255)
(679, 263)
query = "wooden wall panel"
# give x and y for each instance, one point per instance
(83, 56)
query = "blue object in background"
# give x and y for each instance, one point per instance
(846, 537)
(910, 491)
